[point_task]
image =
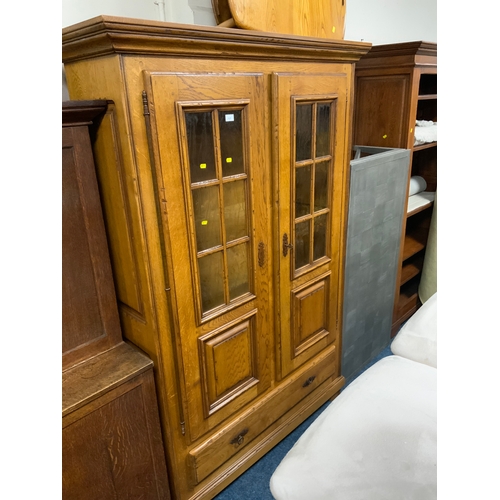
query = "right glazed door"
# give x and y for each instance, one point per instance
(310, 117)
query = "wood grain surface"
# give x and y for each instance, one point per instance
(317, 18)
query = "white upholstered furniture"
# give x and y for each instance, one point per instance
(377, 440)
(417, 339)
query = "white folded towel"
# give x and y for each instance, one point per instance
(425, 123)
(425, 132)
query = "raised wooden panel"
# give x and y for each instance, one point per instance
(383, 100)
(90, 322)
(310, 314)
(228, 361)
(82, 321)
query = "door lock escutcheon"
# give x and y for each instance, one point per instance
(286, 245)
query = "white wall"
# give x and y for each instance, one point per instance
(75, 11)
(375, 21)
(391, 21)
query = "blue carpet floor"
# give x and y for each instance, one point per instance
(254, 483)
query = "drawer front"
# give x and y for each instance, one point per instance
(409, 306)
(212, 453)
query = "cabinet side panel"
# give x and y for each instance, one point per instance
(120, 190)
(115, 204)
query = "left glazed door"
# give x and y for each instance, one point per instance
(211, 155)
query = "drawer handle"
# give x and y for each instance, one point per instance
(309, 381)
(238, 440)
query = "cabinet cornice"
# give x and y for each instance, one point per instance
(105, 35)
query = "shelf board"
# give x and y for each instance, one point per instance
(413, 243)
(419, 202)
(411, 269)
(427, 97)
(425, 146)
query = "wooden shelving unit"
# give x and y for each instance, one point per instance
(396, 85)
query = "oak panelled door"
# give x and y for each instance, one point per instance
(211, 154)
(310, 114)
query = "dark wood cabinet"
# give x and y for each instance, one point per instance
(396, 85)
(112, 445)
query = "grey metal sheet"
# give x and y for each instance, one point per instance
(377, 203)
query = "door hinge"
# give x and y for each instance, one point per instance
(145, 103)
(183, 428)
(262, 254)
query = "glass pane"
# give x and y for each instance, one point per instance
(200, 146)
(207, 217)
(302, 244)
(237, 264)
(302, 191)
(303, 135)
(320, 236)
(235, 214)
(211, 281)
(321, 185)
(231, 142)
(323, 130)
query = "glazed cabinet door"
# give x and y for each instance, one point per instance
(310, 116)
(211, 156)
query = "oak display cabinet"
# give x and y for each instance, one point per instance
(223, 168)
(396, 85)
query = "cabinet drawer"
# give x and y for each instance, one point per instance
(212, 453)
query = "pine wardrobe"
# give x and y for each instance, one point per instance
(223, 163)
